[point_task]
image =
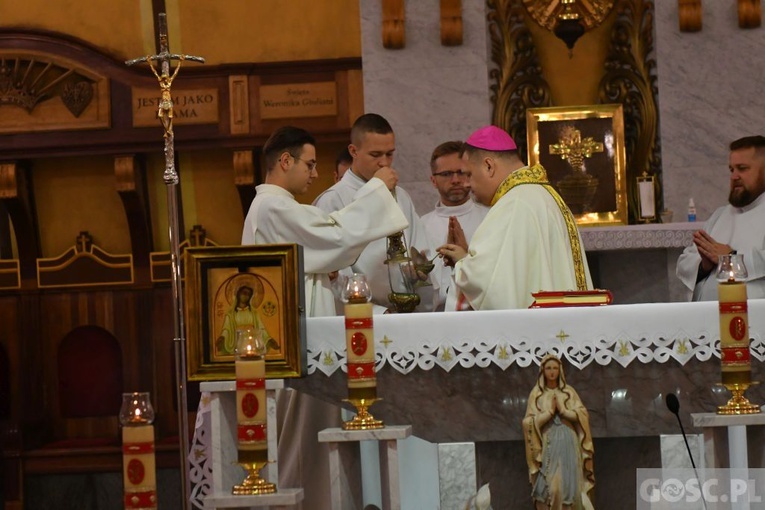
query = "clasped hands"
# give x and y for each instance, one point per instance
(709, 249)
(456, 247)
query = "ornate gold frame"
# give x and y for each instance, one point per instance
(206, 267)
(601, 129)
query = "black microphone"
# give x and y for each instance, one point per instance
(673, 404)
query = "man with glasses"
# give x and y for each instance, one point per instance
(453, 187)
(372, 146)
(330, 241)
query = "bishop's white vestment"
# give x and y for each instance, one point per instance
(741, 228)
(330, 241)
(526, 243)
(371, 262)
(436, 223)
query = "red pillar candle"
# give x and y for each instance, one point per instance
(251, 408)
(252, 434)
(360, 346)
(734, 333)
(138, 460)
(359, 339)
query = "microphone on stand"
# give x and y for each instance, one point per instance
(673, 404)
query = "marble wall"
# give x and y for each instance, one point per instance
(710, 93)
(428, 92)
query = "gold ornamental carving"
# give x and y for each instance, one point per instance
(27, 81)
(517, 81)
(630, 79)
(546, 12)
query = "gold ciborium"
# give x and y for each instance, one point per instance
(735, 365)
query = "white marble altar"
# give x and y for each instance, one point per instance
(478, 366)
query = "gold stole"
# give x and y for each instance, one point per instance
(536, 175)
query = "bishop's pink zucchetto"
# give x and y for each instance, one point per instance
(492, 138)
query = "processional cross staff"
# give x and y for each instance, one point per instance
(160, 65)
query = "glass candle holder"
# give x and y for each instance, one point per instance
(139, 471)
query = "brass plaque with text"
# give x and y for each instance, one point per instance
(297, 100)
(195, 106)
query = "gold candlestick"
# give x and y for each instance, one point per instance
(735, 364)
(360, 353)
(252, 432)
(139, 472)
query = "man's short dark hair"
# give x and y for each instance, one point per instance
(369, 123)
(285, 139)
(749, 142)
(444, 149)
(343, 157)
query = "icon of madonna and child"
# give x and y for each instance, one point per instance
(245, 301)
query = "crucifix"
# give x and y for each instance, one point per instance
(160, 65)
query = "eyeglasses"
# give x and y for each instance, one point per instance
(451, 173)
(310, 164)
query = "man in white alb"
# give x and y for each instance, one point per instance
(454, 202)
(738, 227)
(330, 241)
(527, 242)
(372, 146)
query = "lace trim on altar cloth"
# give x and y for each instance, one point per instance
(468, 354)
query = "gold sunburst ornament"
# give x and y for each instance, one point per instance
(568, 19)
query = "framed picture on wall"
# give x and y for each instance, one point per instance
(238, 287)
(582, 150)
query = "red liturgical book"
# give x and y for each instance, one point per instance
(551, 299)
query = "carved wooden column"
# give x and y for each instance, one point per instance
(246, 177)
(393, 24)
(130, 176)
(451, 22)
(17, 195)
(749, 14)
(689, 15)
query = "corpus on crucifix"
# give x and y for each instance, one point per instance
(160, 65)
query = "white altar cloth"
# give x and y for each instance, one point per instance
(654, 332)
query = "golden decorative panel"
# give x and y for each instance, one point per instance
(628, 77)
